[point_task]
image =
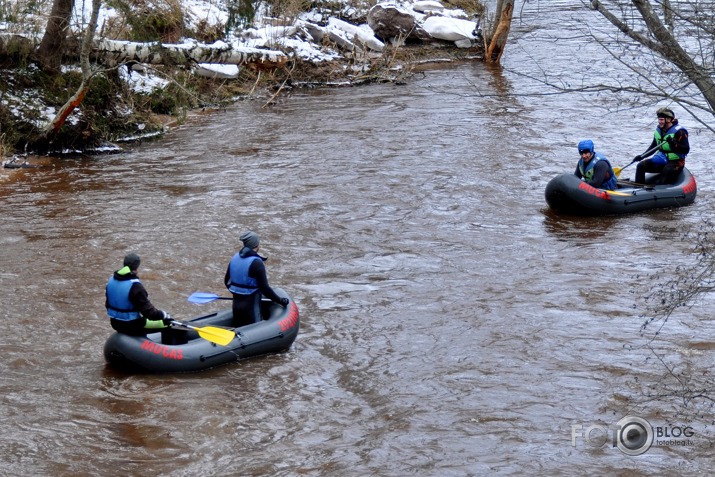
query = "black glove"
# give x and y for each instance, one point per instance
(638, 158)
(671, 142)
(168, 320)
(284, 302)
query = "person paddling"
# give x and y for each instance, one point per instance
(670, 139)
(127, 302)
(594, 168)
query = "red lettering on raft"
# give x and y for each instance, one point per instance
(162, 350)
(601, 194)
(289, 321)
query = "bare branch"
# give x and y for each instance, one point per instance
(623, 27)
(664, 43)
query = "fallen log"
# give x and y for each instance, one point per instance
(113, 52)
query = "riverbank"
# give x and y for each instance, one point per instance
(135, 101)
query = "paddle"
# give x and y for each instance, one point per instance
(617, 170)
(201, 298)
(213, 334)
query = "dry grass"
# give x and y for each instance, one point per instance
(146, 20)
(4, 150)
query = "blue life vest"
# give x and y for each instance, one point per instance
(120, 308)
(241, 283)
(587, 172)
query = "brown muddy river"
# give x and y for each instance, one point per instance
(451, 324)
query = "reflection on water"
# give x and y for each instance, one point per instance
(573, 228)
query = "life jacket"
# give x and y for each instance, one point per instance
(662, 139)
(120, 308)
(240, 282)
(587, 171)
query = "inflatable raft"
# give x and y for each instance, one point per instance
(274, 334)
(568, 194)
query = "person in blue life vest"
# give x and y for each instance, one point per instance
(669, 158)
(127, 302)
(247, 281)
(594, 168)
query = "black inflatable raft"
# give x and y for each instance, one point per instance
(274, 334)
(568, 194)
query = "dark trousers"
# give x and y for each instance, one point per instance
(669, 172)
(246, 309)
(169, 336)
(133, 327)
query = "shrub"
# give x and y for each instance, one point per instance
(152, 21)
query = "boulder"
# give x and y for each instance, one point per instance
(316, 32)
(340, 39)
(356, 34)
(389, 21)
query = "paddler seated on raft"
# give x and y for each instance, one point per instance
(594, 168)
(671, 140)
(128, 306)
(247, 281)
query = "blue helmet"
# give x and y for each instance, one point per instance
(585, 145)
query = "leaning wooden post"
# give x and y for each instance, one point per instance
(501, 32)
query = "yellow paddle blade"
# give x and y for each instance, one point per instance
(216, 335)
(617, 171)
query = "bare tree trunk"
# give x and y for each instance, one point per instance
(54, 126)
(497, 42)
(52, 46)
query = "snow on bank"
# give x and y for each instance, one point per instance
(302, 40)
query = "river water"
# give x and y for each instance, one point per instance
(451, 324)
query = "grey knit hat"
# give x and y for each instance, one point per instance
(250, 239)
(132, 261)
